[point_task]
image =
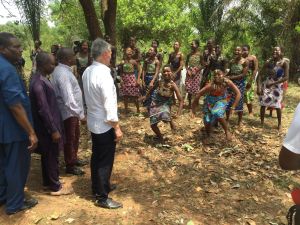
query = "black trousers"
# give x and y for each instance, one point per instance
(102, 160)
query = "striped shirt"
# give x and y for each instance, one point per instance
(68, 92)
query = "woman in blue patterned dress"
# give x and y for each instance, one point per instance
(274, 73)
(215, 101)
(238, 69)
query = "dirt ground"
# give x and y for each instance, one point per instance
(180, 182)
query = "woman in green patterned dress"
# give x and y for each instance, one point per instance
(129, 84)
(160, 106)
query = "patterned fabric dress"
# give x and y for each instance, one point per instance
(192, 82)
(149, 75)
(160, 106)
(214, 106)
(272, 96)
(249, 94)
(128, 82)
(237, 69)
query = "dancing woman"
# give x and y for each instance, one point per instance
(270, 84)
(238, 69)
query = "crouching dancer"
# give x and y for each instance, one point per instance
(160, 106)
(215, 102)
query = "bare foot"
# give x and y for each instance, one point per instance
(279, 127)
(228, 136)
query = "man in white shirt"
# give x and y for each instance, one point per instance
(102, 121)
(69, 99)
(289, 157)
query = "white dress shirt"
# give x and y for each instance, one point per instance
(101, 98)
(68, 92)
(292, 139)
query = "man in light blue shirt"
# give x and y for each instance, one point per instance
(69, 99)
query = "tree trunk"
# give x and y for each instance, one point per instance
(109, 12)
(295, 40)
(91, 19)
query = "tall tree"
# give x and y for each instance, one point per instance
(109, 14)
(91, 19)
(31, 11)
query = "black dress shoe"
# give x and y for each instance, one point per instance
(108, 204)
(28, 203)
(80, 163)
(75, 171)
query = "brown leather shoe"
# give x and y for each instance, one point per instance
(63, 191)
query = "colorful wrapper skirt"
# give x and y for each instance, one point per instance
(249, 94)
(159, 109)
(129, 86)
(241, 86)
(192, 83)
(147, 80)
(271, 97)
(214, 108)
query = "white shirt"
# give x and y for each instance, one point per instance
(68, 92)
(100, 96)
(292, 139)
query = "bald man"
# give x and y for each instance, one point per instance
(69, 98)
(47, 123)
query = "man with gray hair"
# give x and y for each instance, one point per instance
(102, 122)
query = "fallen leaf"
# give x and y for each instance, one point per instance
(236, 186)
(54, 216)
(70, 220)
(250, 222)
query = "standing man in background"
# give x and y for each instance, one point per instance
(102, 121)
(16, 131)
(70, 103)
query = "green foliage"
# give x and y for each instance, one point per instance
(19, 30)
(166, 20)
(69, 21)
